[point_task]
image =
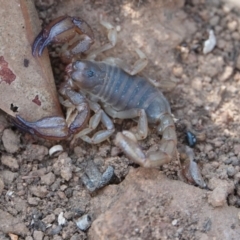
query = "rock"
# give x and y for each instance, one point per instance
(197, 84)
(11, 141)
(236, 148)
(38, 235)
(8, 177)
(147, 205)
(232, 25)
(10, 224)
(210, 43)
(214, 21)
(221, 189)
(35, 152)
(217, 198)
(39, 191)
(227, 73)
(33, 201)
(84, 222)
(28, 238)
(177, 71)
(49, 219)
(10, 162)
(63, 166)
(48, 179)
(1, 186)
(231, 171)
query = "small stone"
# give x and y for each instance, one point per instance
(10, 162)
(236, 36)
(228, 71)
(84, 222)
(79, 151)
(11, 141)
(174, 222)
(214, 21)
(49, 219)
(28, 238)
(66, 168)
(235, 161)
(48, 179)
(38, 235)
(1, 186)
(221, 43)
(35, 152)
(63, 166)
(221, 189)
(197, 83)
(10, 224)
(232, 200)
(232, 25)
(210, 43)
(39, 191)
(238, 63)
(217, 198)
(236, 148)
(8, 177)
(61, 195)
(33, 201)
(231, 171)
(61, 219)
(178, 71)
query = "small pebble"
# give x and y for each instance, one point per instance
(39, 191)
(11, 141)
(49, 219)
(38, 235)
(34, 201)
(84, 222)
(228, 71)
(214, 21)
(210, 43)
(48, 179)
(231, 171)
(10, 162)
(61, 219)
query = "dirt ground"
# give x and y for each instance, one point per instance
(45, 197)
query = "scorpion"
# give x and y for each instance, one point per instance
(108, 88)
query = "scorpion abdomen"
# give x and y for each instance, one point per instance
(122, 91)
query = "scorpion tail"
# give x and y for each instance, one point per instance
(128, 143)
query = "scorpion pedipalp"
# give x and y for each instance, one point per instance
(71, 30)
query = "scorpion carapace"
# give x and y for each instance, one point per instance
(110, 91)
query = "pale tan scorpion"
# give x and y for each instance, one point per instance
(108, 88)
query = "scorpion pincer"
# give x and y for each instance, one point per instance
(111, 91)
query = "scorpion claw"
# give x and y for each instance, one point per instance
(74, 31)
(53, 128)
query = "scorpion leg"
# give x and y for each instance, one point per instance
(138, 66)
(127, 141)
(142, 127)
(112, 37)
(99, 116)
